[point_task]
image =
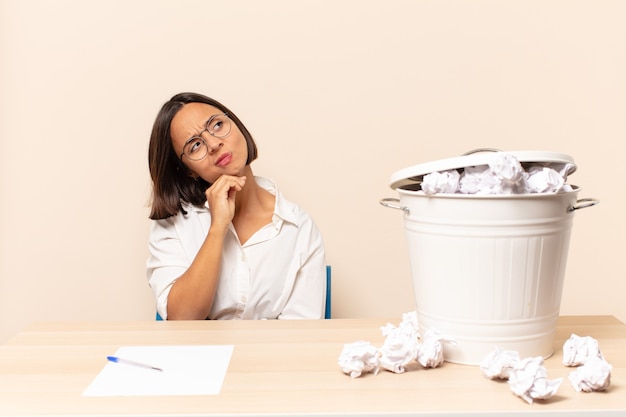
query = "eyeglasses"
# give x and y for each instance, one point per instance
(196, 147)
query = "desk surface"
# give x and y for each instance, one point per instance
(283, 367)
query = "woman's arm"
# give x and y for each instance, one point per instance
(192, 294)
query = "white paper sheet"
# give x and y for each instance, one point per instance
(187, 370)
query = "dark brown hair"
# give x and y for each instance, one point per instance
(171, 184)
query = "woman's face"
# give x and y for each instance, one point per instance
(224, 155)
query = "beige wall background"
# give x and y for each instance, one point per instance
(338, 94)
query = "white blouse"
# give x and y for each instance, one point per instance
(279, 273)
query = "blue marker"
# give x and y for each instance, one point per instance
(133, 363)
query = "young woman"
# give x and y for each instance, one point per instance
(224, 244)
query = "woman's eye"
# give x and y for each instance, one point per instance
(217, 126)
(194, 146)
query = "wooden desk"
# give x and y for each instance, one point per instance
(286, 368)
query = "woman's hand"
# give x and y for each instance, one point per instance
(221, 198)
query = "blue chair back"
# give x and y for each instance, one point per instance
(328, 288)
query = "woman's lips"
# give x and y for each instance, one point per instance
(224, 160)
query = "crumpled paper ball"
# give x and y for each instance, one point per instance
(498, 363)
(578, 349)
(508, 171)
(430, 350)
(359, 357)
(477, 180)
(594, 375)
(400, 346)
(441, 182)
(528, 380)
(544, 180)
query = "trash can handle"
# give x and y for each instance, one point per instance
(583, 203)
(393, 203)
(481, 150)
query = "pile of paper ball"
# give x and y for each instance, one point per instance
(503, 174)
(403, 345)
(527, 377)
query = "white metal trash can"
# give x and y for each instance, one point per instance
(487, 270)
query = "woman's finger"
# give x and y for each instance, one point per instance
(221, 197)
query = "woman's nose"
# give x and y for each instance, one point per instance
(213, 143)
